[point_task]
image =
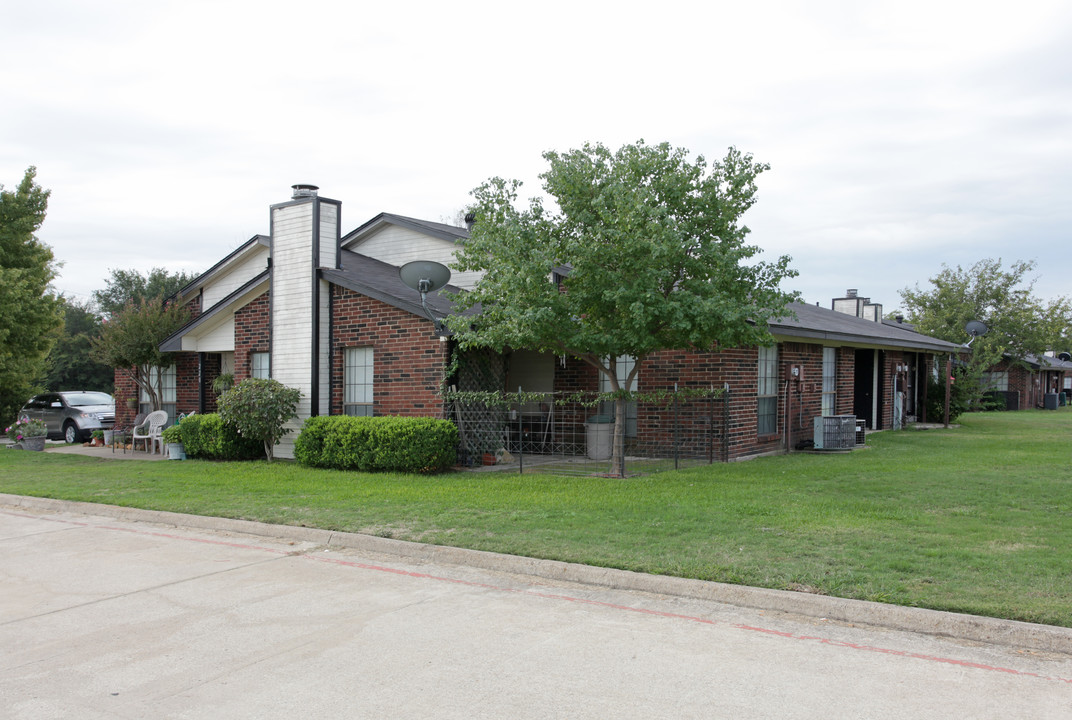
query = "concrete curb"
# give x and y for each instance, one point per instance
(932, 622)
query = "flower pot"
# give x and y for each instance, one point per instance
(176, 451)
(489, 458)
(34, 443)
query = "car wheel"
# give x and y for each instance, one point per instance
(70, 432)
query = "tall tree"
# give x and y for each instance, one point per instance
(656, 259)
(131, 338)
(30, 313)
(1020, 324)
(126, 286)
(71, 365)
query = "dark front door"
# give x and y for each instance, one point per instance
(863, 386)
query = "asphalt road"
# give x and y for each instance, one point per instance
(105, 617)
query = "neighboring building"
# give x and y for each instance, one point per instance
(1025, 384)
(327, 313)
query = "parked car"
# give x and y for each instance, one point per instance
(72, 416)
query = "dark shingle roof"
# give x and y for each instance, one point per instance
(817, 323)
(380, 281)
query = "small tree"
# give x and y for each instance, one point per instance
(30, 313)
(653, 255)
(72, 366)
(259, 408)
(132, 338)
(1020, 324)
(127, 286)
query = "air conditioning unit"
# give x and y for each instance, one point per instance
(835, 432)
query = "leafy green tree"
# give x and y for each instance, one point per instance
(126, 286)
(1019, 323)
(654, 256)
(131, 338)
(260, 408)
(71, 364)
(30, 313)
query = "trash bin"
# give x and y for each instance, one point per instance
(599, 432)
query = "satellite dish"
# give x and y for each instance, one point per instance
(424, 276)
(975, 328)
(1064, 356)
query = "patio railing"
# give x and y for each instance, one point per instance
(573, 433)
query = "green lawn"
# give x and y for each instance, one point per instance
(976, 519)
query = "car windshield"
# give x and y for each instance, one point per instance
(87, 398)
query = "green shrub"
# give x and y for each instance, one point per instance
(386, 444)
(260, 408)
(172, 434)
(961, 392)
(208, 437)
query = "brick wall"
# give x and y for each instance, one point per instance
(211, 371)
(187, 388)
(739, 368)
(408, 359)
(125, 388)
(251, 334)
(194, 306)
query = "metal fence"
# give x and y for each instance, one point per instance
(573, 433)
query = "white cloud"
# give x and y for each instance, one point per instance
(900, 136)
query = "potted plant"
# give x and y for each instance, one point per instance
(223, 383)
(98, 438)
(28, 434)
(173, 439)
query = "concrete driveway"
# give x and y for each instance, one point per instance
(111, 617)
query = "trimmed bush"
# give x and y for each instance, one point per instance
(260, 408)
(379, 444)
(208, 437)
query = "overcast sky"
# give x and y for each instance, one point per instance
(900, 135)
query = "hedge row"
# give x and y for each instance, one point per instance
(393, 444)
(207, 436)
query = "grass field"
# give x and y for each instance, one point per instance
(975, 519)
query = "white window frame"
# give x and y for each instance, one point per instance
(995, 381)
(358, 375)
(260, 365)
(767, 390)
(829, 381)
(169, 396)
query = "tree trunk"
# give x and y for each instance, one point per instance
(142, 379)
(617, 456)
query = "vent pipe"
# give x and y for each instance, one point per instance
(303, 191)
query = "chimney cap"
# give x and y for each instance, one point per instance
(851, 292)
(304, 191)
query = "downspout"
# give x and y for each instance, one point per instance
(314, 360)
(787, 415)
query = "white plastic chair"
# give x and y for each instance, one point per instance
(150, 431)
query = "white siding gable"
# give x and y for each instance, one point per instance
(249, 267)
(397, 246)
(219, 338)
